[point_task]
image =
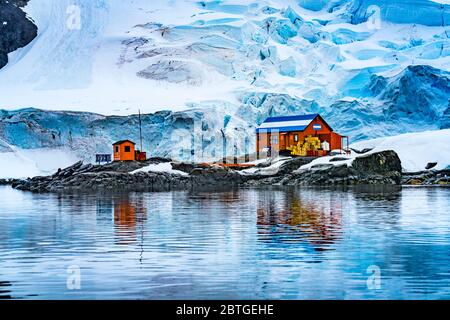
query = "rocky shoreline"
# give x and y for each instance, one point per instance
(382, 168)
(377, 168)
(427, 178)
(119, 176)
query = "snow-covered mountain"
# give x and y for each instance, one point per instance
(111, 56)
(372, 67)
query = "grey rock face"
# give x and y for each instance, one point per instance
(172, 71)
(427, 178)
(16, 30)
(118, 176)
(384, 163)
(377, 168)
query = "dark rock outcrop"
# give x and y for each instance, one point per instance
(427, 178)
(5, 182)
(16, 30)
(377, 168)
(119, 176)
(380, 163)
(430, 165)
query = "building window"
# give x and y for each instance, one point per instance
(273, 139)
(295, 137)
(117, 149)
(127, 149)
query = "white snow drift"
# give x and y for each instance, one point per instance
(24, 163)
(161, 167)
(415, 150)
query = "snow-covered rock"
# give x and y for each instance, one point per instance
(160, 167)
(415, 150)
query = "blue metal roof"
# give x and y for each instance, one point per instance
(282, 129)
(287, 123)
(291, 118)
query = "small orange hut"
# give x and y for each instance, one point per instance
(124, 150)
(300, 135)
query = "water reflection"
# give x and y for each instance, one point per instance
(128, 212)
(386, 200)
(5, 290)
(275, 243)
(282, 213)
(104, 210)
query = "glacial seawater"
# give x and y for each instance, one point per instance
(289, 243)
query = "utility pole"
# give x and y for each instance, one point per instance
(140, 128)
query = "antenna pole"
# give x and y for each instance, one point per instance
(140, 128)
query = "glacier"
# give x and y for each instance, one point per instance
(217, 69)
(125, 56)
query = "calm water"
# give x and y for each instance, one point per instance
(242, 244)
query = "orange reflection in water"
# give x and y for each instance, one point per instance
(320, 223)
(128, 216)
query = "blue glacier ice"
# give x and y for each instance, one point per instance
(220, 7)
(293, 16)
(314, 5)
(414, 100)
(424, 12)
(288, 67)
(344, 36)
(281, 30)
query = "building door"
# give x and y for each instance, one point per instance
(283, 141)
